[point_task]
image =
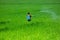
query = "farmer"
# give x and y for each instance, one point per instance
(28, 16)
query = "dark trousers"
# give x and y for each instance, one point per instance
(29, 19)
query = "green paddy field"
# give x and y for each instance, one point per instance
(45, 24)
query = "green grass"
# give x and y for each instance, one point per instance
(14, 26)
(32, 31)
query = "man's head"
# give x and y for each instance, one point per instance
(28, 12)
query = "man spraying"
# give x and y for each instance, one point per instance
(28, 16)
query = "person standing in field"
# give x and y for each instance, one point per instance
(28, 16)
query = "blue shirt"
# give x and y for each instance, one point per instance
(28, 16)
